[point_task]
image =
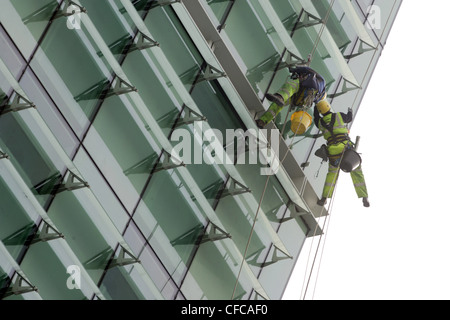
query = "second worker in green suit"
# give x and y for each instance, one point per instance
(335, 131)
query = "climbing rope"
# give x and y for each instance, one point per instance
(329, 210)
(310, 57)
(332, 199)
(254, 221)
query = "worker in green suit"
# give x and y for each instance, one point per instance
(335, 131)
(303, 88)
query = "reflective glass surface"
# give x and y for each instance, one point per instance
(115, 89)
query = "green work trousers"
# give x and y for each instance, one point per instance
(287, 91)
(335, 152)
(357, 178)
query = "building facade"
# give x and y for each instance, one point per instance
(131, 166)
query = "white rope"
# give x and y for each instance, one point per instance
(324, 228)
(325, 232)
(284, 157)
(332, 200)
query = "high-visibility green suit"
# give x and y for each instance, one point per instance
(304, 90)
(337, 142)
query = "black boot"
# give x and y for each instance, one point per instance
(322, 202)
(277, 98)
(261, 124)
(366, 202)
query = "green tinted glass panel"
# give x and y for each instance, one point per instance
(5, 90)
(80, 233)
(4, 280)
(292, 234)
(48, 274)
(306, 39)
(218, 7)
(10, 54)
(175, 43)
(286, 12)
(206, 173)
(170, 220)
(274, 199)
(73, 55)
(238, 221)
(102, 190)
(214, 105)
(333, 24)
(35, 14)
(49, 112)
(16, 226)
(28, 157)
(110, 26)
(249, 37)
(118, 285)
(212, 275)
(150, 261)
(158, 97)
(126, 142)
(208, 179)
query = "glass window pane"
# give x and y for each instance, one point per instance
(237, 220)
(213, 274)
(287, 11)
(35, 14)
(275, 198)
(80, 233)
(112, 29)
(125, 142)
(176, 44)
(10, 55)
(274, 286)
(150, 261)
(218, 8)
(16, 225)
(102, 190)
(259, 49)
(49, 112)
(382, 12)
(48, 274)
(117, 285)
(335, 22)
(161, 99)
(28, 157)
(209, 180)
(170, 220)
(4, 280)
(214, 105)
(71, 70)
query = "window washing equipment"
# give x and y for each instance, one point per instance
(300, 122)
(351, 159)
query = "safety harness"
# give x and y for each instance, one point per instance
(334, 138)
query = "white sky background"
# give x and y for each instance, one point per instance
(399, 248)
